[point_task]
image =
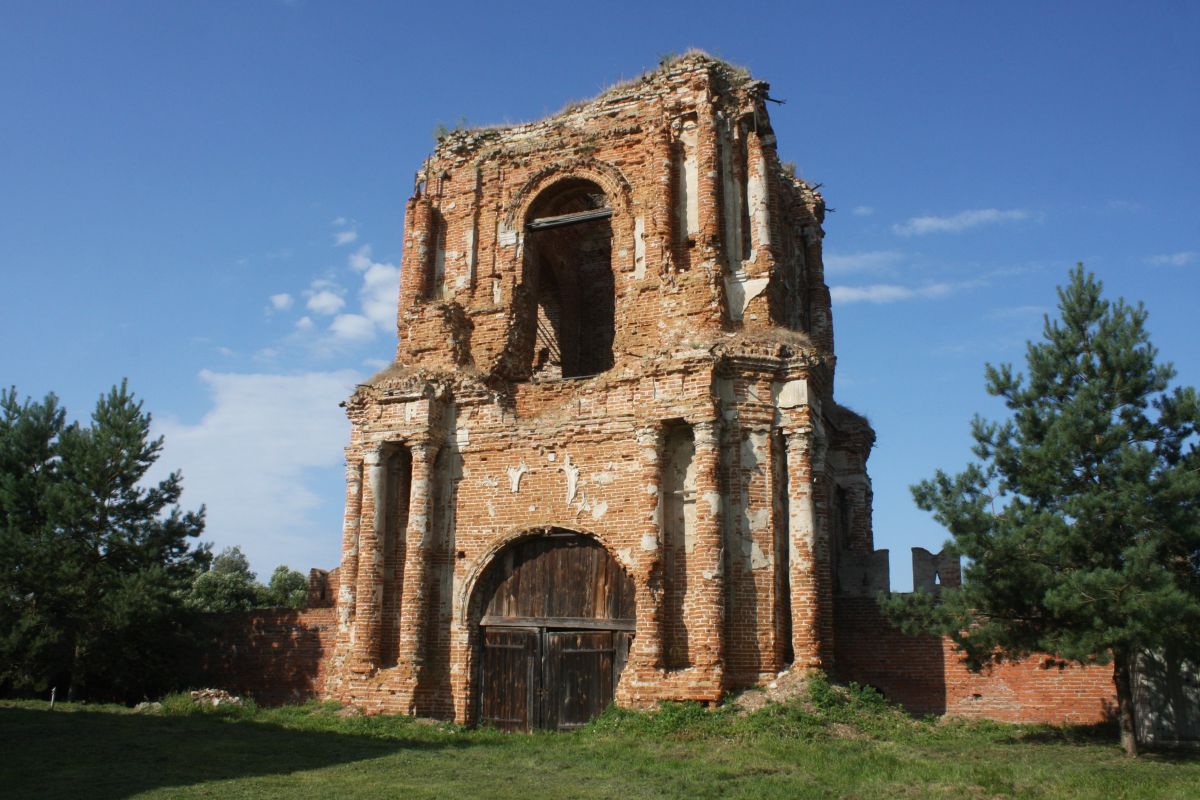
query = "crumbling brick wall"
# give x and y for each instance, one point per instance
(926, 675)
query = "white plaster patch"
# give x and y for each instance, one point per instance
(603, 478)
(714, 502)
(790, 394)
(639, 248)
(469, 247)
(552, 456)
(759, 518)
(599, 509)
(690, 184)
(626, 555)
(491, 508)
(532, 507)
(754, 449)
(649, 542)
(758, 559)
(463, 437)
(514, 476)
(507, 237)
(756, 198)
(572, 473)
(741, 291)
(490, 481)
(495, 291)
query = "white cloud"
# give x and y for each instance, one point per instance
(282, 301)
(352, 328)
(305, 323)
(1180, 259)
(261, 459)
(348, 233)
(880, 293)
(325, 302)
(863, 211)
(380, 287)
(957, 223)
(360, 259)
(864, 261)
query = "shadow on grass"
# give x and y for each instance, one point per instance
(1105, 734)
(1102, 733)
(48, 754)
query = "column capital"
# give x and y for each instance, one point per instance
(423, 450)
(706, 432)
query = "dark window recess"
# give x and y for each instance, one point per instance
(397, 483)
(569, 269)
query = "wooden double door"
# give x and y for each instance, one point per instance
(546, 678)
(557, 623)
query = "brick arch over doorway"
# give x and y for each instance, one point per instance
(555, 616)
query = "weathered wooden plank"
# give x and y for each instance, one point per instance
(584, 623)
(561, 220)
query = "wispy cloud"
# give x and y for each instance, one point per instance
(252, 460)
(1180, 259)
(957, 223)
(347, 232)
(863, 211)
(881, 293)
(1124, 205)
(325, 302)
(335, 317)
(874, 261)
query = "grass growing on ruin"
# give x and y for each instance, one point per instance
(835, 743)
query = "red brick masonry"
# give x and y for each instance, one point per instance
(927, 676)
(276, 656)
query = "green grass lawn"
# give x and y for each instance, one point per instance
(836, 744)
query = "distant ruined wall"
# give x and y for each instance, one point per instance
(274, 656)
(926, 675)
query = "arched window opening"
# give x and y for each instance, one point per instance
(569, 264)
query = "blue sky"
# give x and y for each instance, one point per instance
(207, 198)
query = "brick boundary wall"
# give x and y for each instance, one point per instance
(927, 676)
(275, 656)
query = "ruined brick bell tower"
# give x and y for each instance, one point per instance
(607, 463)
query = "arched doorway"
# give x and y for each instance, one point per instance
(557, 621)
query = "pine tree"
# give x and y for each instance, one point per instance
(29, 467)
(1081, 522)
(95, 564)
